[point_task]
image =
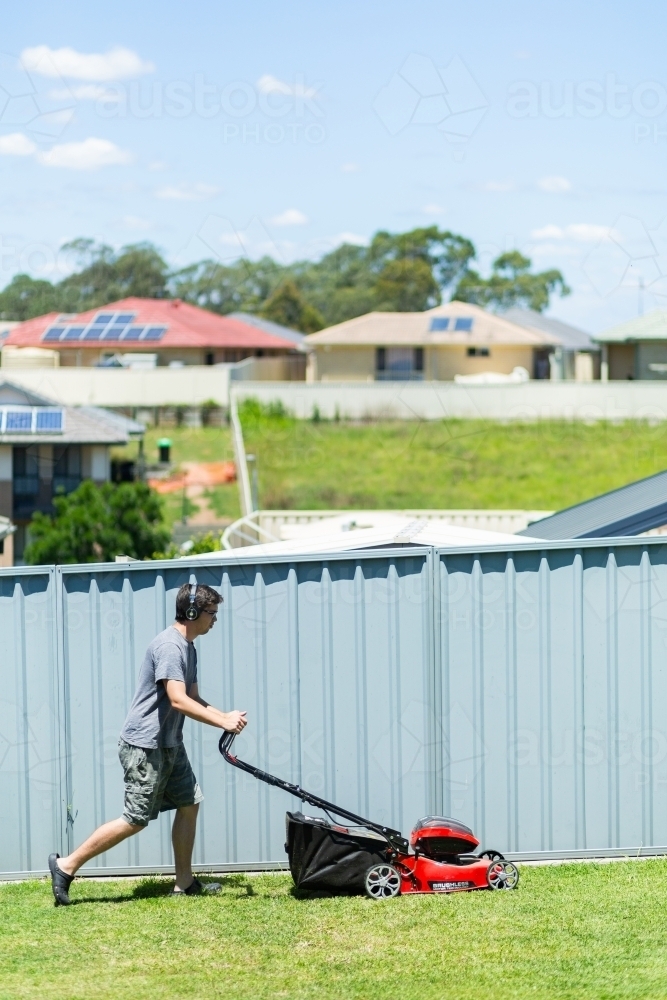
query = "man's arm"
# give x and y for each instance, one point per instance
(196, 708)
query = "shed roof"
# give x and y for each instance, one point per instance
(187, 326)
(570, 337)
(653, 326)
(420, 329)
(388, 531)
(630, 510)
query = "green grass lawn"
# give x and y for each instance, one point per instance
(572, 931)
(445, 464)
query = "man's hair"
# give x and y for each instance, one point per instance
(203, 596)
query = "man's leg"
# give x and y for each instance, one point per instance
(183, 839)
(103, 839)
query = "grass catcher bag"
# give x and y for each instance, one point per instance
(324, 856)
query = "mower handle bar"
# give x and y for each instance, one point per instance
(394, 838)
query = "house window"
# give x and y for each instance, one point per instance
(478, 352)
(399, 363)
(209, 360)
(66, 468)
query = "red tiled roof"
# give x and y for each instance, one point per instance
(187, 326)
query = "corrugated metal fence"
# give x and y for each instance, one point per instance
(521, 692)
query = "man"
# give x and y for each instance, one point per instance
(157, 771)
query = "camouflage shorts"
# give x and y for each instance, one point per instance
(156, 780)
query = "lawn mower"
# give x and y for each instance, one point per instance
(367, 857)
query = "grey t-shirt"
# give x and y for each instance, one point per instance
(151, 721)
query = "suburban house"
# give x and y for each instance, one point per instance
(576, 357)
(438, 344)
(163, 331)
(46, 449)
(636, 349)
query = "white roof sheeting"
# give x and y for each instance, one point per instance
(343, 534)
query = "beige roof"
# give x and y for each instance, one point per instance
(653, 326)
(413, 330)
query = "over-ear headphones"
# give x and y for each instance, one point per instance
(192, 612)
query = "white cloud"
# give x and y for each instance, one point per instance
(498, 186)
(432, 209)
(554, 185)
(268, 84)
(186, 192)
(579, 232)
(117, 64)
(157, 165)
(548, 233)
(16, 144)
(588, 232)
(290, 217)
(353, 238)
(87, 155)
(85, 92)
(349, 168)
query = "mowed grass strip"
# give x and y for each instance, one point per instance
(572, 931)
(438, 464)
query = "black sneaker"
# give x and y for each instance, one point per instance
(60, 882)
(196, 888)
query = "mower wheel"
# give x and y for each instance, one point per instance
(382, 882)
(502, 875)
(491, 855)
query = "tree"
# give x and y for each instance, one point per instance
(24, 297)
(224, 288)
(106, 276)
(511, 283)
(406, 286)
(97, 523)
(288, 307)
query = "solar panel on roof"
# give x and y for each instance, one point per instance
(94, 333)
(73, 332)
(114, 332)
(18, 420)
(102, 319)
(463, 323)
(49, 420)
(133, 332)
(439, 323)
(154, 333)
(53, 333)
(124, 318)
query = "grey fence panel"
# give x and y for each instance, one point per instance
(519, 691)
(365, 653)
(331, 660)
(552, 667)
(32, 802)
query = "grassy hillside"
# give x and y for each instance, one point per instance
(448, 464)
(452, 463)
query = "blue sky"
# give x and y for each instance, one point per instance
(213, 129)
